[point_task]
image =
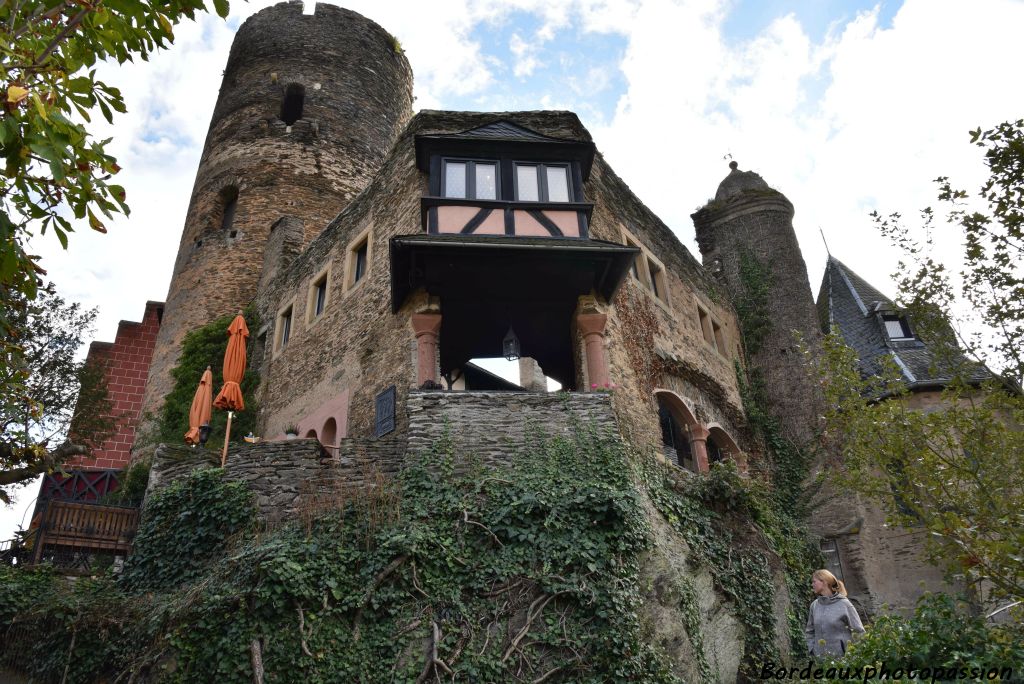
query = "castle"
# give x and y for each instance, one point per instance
(383, 251)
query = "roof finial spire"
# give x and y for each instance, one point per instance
(733, 165)
(825, 241)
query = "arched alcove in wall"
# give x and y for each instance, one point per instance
(311, 434)
(329, 433)
(676, 422)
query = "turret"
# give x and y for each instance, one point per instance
(308, 108)
(747, 241)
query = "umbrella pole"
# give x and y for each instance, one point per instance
(227, 436)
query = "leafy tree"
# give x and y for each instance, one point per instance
(954, 471)
(55, 172)
(45, 391)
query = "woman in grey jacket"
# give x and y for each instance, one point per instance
(832, 620)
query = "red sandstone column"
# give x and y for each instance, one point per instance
(426, 326)
(699, 447)
(591, 325)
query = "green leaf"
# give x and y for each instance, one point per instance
(222, 8)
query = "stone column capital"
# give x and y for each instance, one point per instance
(592, 323)
(698, 433)
(426, 324)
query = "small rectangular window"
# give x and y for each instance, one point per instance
(896, 327)
(470, 179)
(486, 177)
(558, 183)
(542, 183)
(360, 262)
(455, 179)
(527, 187)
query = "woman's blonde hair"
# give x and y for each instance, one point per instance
(830, 580)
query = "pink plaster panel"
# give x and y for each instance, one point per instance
(567, 222)
(529, 226)
(454, 219)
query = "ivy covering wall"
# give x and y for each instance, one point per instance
(529, 572)
(204, 347)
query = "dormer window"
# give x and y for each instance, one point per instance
(542, 182)
(471, 179)
(897, 328)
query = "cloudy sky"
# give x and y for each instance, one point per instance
(845, 106)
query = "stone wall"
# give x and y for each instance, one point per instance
(492, 426)
(288, 475)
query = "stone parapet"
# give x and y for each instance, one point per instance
(492, 426)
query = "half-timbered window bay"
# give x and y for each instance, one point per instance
(503, 179)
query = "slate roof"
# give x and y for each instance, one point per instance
(853, 305)
(503, 130)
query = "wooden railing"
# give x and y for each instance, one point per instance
(86, 527)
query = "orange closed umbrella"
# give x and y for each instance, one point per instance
(230, 396)
(202, 408)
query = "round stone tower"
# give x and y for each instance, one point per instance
(308, 108)
(746, 239)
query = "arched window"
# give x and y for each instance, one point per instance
(722, 446)
(291, 107)
(228, 202)
(675, 419)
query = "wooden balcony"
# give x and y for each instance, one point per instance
(448, 215)
(79, 528)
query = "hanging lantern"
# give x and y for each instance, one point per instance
(510, 345)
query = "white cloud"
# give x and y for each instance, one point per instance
(525, 55)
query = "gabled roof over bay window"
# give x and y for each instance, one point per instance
(502, 139)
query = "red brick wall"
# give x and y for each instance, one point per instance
(127, 361)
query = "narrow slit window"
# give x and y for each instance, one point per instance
(704, 321)
(319, 295)
(360, 262)
(229, 202)
(719, 337)
(655, 273)
(284, 328)
(291, 107)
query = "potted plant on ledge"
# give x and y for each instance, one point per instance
(291, 431)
